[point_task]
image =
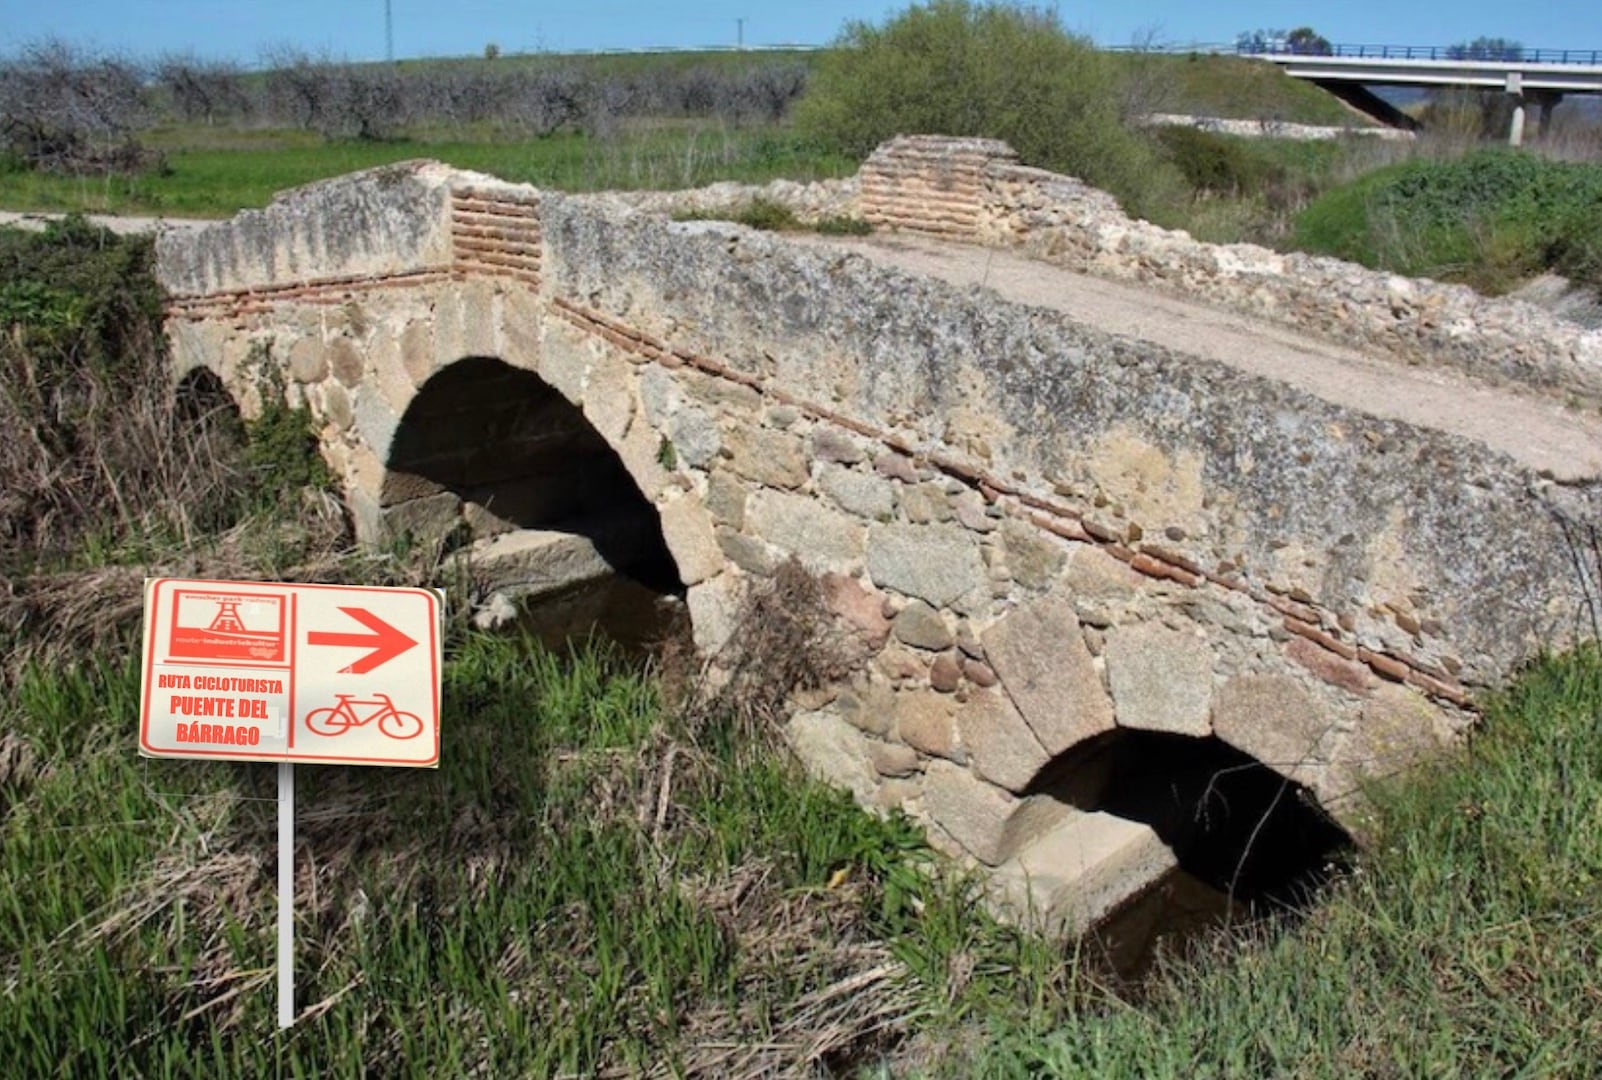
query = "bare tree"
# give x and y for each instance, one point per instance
(66, 110)
(1149, 79)
(300, 86)
(546, 101)
(366, 102)
(772, 89)
(203, 90)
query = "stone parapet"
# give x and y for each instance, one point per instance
(974, 190)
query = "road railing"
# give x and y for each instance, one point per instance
(1591, 57)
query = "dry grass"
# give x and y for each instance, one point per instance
(783, 642)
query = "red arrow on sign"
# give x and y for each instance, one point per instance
(385, 641)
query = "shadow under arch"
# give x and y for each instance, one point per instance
(517, 455)
(201, 398)
(1232, 822)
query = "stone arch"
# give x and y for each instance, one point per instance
(491, 455)
(201, 397)
(1231, 821)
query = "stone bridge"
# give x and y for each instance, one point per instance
(1115, 607)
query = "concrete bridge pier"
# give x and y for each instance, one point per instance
(1544, 100)
(1515, 87)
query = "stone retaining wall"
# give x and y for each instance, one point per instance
(1275, 129)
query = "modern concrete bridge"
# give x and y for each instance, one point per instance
(1107, 602)
(1538, 77)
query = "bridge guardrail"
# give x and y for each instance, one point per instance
(1426, 52)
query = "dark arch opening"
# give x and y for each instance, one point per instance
(211, 446)
(1250, 843)
(487, 451)
(1232, 822)
(201, 400)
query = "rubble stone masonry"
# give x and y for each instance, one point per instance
(1035, 532)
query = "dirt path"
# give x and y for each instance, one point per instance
(1537, 431)
(24, 219)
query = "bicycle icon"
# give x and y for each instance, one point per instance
(340, 718)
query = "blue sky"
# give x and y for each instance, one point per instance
(240, 29)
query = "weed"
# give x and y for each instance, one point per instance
(281, 441)
(784, 642)
(767, 215)
(758, 213)
(842, 226)
(770, 216)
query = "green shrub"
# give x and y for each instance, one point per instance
(100, 461)
(280, 450)
(75, 293)
(952, 67)
(759, 213)
(1575, 250)
(770, 216)
(1489, 219)
(767, 215)
(1217, 164)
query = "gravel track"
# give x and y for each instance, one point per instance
(1538, 431)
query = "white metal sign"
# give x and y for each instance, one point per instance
(330, 674)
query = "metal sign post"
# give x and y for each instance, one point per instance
(286, 894)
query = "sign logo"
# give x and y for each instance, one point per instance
(212, 625)
(311, 673)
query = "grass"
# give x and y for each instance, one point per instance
(588, 885)
(247, 170)
(585, 885)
